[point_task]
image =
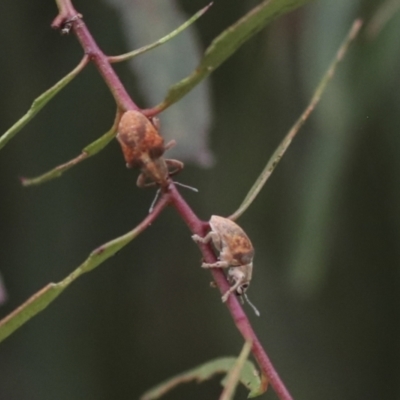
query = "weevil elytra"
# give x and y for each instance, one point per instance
(143, 147)
(236, 253)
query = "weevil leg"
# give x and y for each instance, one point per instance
(231, 290)
(141, 181)
(170, 145)
(218, 264)
(174, 166)
(216, 240)
(156, 122)
(206, 239)
(211, 236)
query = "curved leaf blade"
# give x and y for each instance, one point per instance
(248, 375)
(232, 379)
(41, 101)
(89, 151)
(163, 40)
(228, 42)
(287, 140)
(44, 297)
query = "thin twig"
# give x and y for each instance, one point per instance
(240, 318)
(68, 14)
(44, 297)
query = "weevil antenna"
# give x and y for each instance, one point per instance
(251, 305)
(186, 186)
(153, 203)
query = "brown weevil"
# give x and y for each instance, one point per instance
(143, 147)
(235, 253)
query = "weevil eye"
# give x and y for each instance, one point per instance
(156, 152)
(242, 288)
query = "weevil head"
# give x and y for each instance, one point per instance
(243, 274)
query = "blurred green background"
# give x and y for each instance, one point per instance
(325, 228)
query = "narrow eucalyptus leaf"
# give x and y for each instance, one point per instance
(40, 300)
(229, 41)
(90, 150)
(40, 102)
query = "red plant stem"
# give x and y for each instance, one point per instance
(68, 14)
(240, 318)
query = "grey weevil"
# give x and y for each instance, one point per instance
(236, 253)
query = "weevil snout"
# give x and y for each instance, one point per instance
(239, 277)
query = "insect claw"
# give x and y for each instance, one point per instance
(224, 298)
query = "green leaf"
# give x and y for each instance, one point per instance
(287, 140)
(228, 42)
(232, 379)
(41, 101)
(40, 300)
(165, 39)
(90, 150)
(247, 374)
